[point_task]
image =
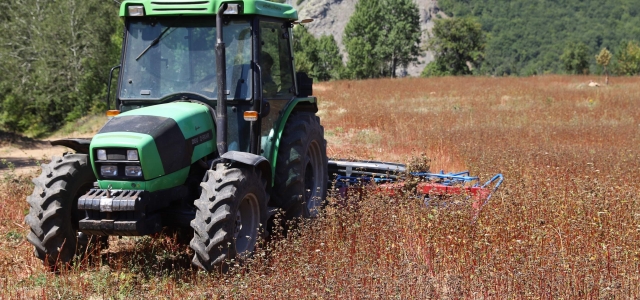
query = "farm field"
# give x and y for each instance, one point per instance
(564, 224)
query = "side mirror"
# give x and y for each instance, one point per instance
(305, 84)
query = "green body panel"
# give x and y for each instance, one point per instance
(194, 8)
(147, 150)
(192, 119)
(273, 142)
(189, 116)
(161, 183)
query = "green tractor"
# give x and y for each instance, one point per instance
(213, 130)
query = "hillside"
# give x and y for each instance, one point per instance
(331, 17)
(528, 37)
(524, 37)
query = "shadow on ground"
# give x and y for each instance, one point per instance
(7, 163)
(17, 140)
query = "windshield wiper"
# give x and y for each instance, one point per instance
(153, 43)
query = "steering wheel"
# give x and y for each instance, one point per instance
(206, 82)
(185, 96)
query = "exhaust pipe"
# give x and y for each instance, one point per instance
(221, 108)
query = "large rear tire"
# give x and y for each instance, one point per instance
(53, 214)
(301, 169)
(230, 217)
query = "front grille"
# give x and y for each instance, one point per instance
(116, 154)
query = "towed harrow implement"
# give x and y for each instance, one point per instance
(436, 189)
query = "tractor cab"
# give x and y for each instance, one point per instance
(169, 54)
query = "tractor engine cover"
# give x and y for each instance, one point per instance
(152, 148)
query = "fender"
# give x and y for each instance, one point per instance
(80, 146)
(253, 160)
(296, 104)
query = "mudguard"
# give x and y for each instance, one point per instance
(78, 145)
(250, 159)
(270, 149)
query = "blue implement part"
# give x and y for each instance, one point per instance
(348, 173)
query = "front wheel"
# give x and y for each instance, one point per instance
(53, 214)
(230, 216)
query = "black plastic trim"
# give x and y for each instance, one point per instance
(79, 145)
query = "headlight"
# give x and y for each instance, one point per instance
(232, 9)
(108, 171)
(136, 11)
(133, 171)
(132, 155)
(102, 154)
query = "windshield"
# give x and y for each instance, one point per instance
(184, 59)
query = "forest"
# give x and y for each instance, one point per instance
(529, 37)
(55, 58)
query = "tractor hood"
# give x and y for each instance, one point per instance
(167, 139)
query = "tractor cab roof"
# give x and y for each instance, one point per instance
(205, 7)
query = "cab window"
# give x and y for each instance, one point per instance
(275, 61)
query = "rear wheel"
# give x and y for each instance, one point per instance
(53, 214)
(301, 168)
(229, 216)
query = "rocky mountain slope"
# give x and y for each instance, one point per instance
(331, 17)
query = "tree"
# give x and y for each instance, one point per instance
(304, 50)
(319, 58)
(381, 36)
(361, 36)
(628, 59)
(401, 42)
(329, 65)
(575, 58)
(604, 58)
(458, 46)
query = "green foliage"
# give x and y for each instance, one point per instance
(400, 44)
(528, 37)
(319, 58)
(304, 50)
(575, 58)
(55, 56)
(329, 65)
(457, 44)
(435, 69)
(361, 36)
(628, 59)
(381, 36)
(603, 58)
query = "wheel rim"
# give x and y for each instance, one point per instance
(246, 224)
(313, 179)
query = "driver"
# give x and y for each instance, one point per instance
(269, 87)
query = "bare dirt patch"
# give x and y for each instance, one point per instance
(23, 155)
